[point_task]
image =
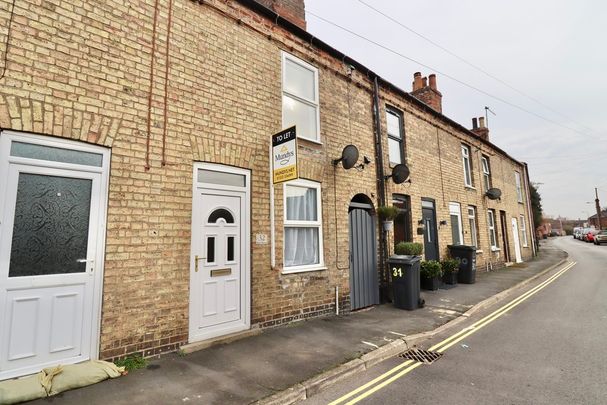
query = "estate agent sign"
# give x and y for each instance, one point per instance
(284, 156)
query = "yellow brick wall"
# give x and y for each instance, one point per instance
(80, 69)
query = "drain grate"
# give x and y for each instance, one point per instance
(423, 356)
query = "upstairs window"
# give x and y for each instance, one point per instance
(519, 190)
(467, 165)
(486, 172)
(394, 123)
(300, 97)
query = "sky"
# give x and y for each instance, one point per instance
(550, 61)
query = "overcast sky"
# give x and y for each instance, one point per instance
(551, 50)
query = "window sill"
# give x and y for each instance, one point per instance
(314, 141)
(495, 249)
(479, 252)
(472, 188)
(303, 269)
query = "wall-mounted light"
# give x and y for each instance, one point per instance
(443, 222)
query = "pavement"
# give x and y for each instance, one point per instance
(295, 361)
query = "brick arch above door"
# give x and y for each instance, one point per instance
(24, 114)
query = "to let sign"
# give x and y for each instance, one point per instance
(284, 155)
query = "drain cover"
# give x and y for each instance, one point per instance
(423, 356)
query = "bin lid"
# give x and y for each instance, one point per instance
(462, 247)
(404, 258)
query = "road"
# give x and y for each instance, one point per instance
(549, 348)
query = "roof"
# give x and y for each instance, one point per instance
(305, 35)
(603, 215)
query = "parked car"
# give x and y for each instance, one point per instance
(600, 237)
(590, 235)
(577, 231)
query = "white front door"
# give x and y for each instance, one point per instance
(52, 205)
(517, 245)
(220, 274)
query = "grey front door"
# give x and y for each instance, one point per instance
(364, 290)
(430, 233)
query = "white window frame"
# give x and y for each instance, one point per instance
(311, 102)
(486, 172)
(472, 224)
(466, 152)
(455, 209)
(491, 227)
(301, 224)
(396, 137)
(519, 190)
(524, 230)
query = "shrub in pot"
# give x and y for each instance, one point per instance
(409, 248)
(387, 215)
(450, 269)
(430, 275)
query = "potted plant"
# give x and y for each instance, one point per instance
(404, 273)
(450, 269)
(409, 248)
(387, 215)
(430, 275)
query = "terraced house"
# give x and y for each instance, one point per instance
(137, 207)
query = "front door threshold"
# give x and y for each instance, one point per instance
(204, 344)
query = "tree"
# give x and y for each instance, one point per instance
(536, 205)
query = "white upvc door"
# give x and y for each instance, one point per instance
(220, 263)
(516, 241)
(51, 252)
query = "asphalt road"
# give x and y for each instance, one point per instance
(551, 348)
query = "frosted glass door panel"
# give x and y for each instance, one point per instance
(51, 227)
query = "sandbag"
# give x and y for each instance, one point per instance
(63, 378)
(22, 389)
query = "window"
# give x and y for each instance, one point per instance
(467, 166)
(402, 222)
(394, 121)
(300, 97)
(519, 190)
(486, 172)
(456, 224)
(491, 225)
(524, 231)
(303, 226)
(472, 224)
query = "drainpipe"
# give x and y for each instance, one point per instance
(530, 211)
(381, 191)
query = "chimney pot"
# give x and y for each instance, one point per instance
(481, 121)
(474, 123)
(417, 81)
(424, 82)
(432, 79)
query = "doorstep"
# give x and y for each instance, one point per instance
(232, 337)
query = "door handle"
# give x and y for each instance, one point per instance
(196, 258)
(91, 261)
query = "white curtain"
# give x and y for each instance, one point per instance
(301, 243)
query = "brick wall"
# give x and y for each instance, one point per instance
(80, 69)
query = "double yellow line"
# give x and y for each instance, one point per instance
(441, 347)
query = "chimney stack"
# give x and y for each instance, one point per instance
(480, 130)
(424, 89)
(293, 10)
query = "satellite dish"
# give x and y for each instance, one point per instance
(349, 157)
(400, 173)
(494, 193)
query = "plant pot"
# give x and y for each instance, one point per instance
(450, 278)
(388, 225)
(430, 284)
